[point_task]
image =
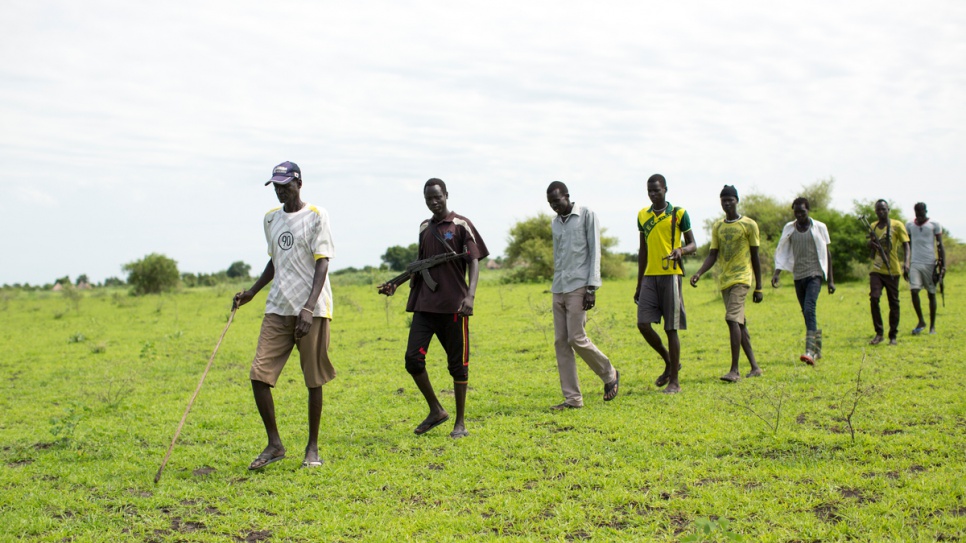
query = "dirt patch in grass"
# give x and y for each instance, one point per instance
(256, 535)
(577, 536)
(20, 463)
(827, 512)
(202, 471)
(916, 468)
(436, 467)
(856, 494)
(43, 446)
(185, 527)
(679, 523)
(140, 493)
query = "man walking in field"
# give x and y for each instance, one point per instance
(298, 309)
(735, 238)
(659, 272)
(804, 250)
(925, 240)
(576, 278)
(887, 235)
(443, 311)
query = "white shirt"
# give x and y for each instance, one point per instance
(295, 242)
(785, 257)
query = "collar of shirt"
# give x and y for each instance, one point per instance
(667, 206)
(574, 210)
(448, 218)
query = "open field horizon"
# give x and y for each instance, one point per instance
(93, 390)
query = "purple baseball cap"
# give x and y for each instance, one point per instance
(284, 173)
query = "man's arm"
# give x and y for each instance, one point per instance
(246, 296)
(906, 256)
(830, 279)
(758, 295)
(942, 251)
(688, 248)
(641, 264)
(592, 234)
(708, 263)
(466, 307)
(305, 314)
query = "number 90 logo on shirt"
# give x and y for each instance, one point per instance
(286, 240)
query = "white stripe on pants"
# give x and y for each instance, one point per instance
(569, 318)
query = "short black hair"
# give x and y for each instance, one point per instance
(558, 185)
(881, 200)
(438, 182)
(801, 200)
(920, 205)
(658, 177)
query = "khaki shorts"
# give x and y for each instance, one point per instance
(275, 343)
(734, 301)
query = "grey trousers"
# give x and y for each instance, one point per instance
(569, 318)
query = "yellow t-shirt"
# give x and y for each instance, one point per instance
(891, 237)
(657, 235)
(734, 241)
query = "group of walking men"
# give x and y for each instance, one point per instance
(299, 304)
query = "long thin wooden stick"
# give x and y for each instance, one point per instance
(193, 396)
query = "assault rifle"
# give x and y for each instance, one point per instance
(422, 267)
(939, 278)
(875, 242)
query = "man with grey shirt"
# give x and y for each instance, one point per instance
(576, 277)
(925, 240)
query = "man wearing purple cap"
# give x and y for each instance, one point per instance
(298, 309)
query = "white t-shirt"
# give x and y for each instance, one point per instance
(923, 241)
(295, 242)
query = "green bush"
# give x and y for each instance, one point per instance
(530, 252)
(152, 274)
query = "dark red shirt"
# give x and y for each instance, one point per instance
(462, 237)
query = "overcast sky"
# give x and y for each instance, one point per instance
(130, 128)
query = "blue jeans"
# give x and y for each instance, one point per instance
(807, 290)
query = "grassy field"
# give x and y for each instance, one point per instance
(93, 389)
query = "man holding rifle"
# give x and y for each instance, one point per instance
(926, 239)
(884, 240)
(441, 301)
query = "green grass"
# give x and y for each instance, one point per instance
(92, 391)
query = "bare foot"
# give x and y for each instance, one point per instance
(672, 389)
(755, 372)
(664, 378)
(731, 377)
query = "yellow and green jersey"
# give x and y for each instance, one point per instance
(734, 241)
(890, 236)
(656, 228)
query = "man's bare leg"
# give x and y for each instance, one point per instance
(315, 418)
(932, 312)
(654, 340)
(436, 412)
(749, 353)
(734, 332)
(917, 305)
(459, 429)
(674, 350)
(266, 409)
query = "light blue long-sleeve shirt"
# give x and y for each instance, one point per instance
(576, 250)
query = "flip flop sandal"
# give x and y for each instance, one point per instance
(427, 426)
(263, 460)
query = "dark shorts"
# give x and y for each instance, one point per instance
(662, 298)
(453, 332)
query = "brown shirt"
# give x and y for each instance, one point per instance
(462, 237)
